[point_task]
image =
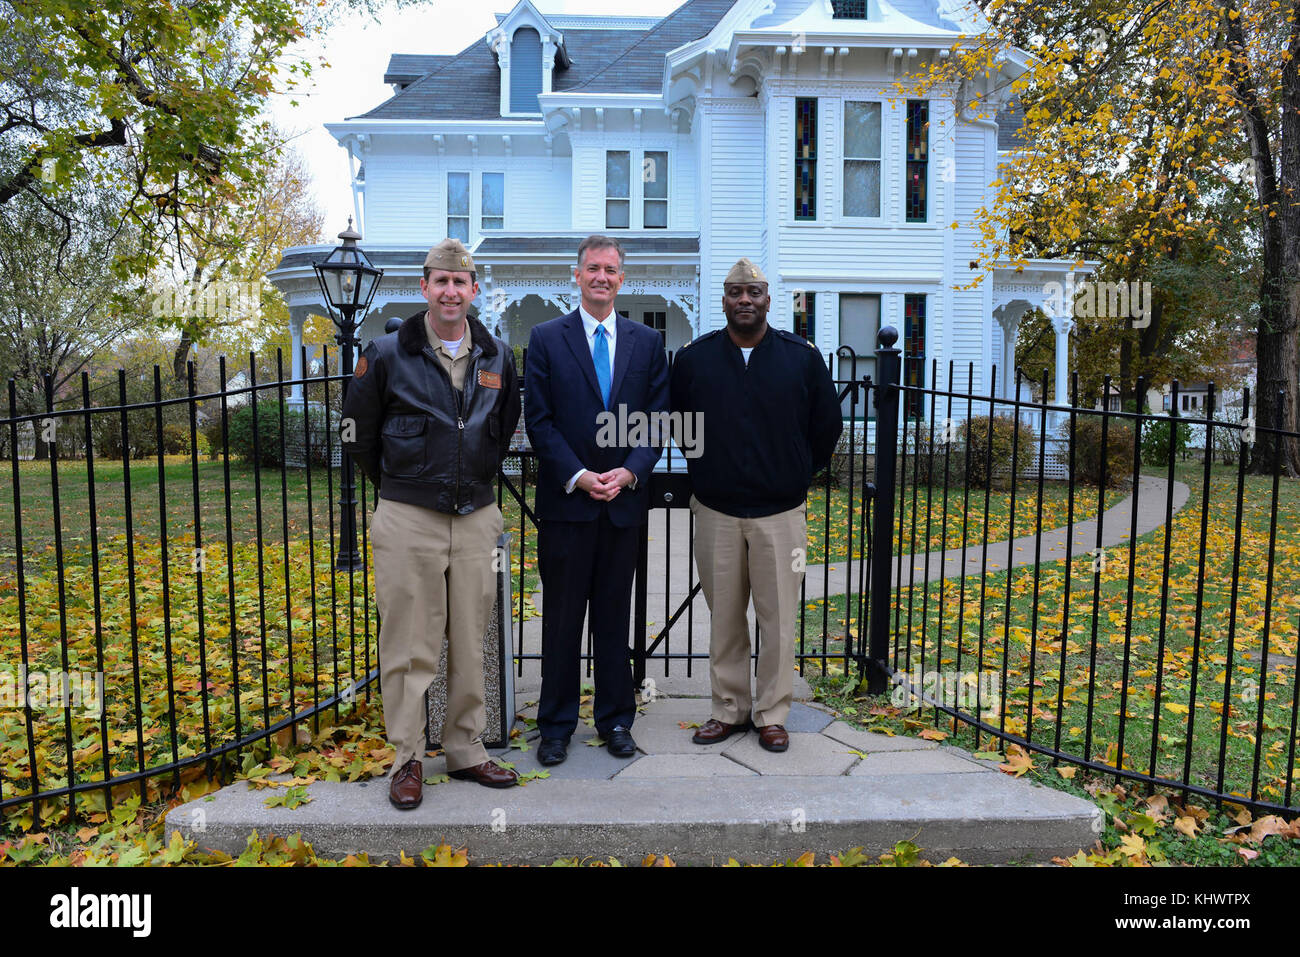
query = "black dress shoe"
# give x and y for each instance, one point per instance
(619, 743)
(552, 751)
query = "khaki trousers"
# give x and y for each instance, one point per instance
(433, 576)
(740, 558)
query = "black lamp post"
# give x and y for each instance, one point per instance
(348, 281)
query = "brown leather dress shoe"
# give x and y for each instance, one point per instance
(406, 789)
(772, 737)
(714, 731)
(489, 774)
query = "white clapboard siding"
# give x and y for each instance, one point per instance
(406, 195)
(733, 207)
(406, 198)
(972, 150)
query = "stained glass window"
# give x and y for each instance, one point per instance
(914, 352)
(805, 158)
(805, 315)
(918, 158)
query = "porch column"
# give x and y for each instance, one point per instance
(1008, 317)
(1062, 326)
(295, 334)
(488, 315)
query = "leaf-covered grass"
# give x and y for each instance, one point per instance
(1047, 692)
(947, 516)
(1143, 826)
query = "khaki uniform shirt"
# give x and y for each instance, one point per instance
(454, 364)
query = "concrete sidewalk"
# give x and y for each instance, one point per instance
(835, 789)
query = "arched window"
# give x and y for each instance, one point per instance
(525, 71)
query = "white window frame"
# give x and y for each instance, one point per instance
(844, 159)
(636, 187)
(481, 213)
(476, 230)
(469, 196)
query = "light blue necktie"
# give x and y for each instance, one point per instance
(600, 356)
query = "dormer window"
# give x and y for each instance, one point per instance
(849, 9)
(529, 51)
(525, 71)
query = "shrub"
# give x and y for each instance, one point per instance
(1156, 440)
(176, 439)
(930, 461)
(141, 434)
(840, 462)
(268, 432)
(210, 434)
(1227, 445)
(994, 463)
(1088, 450)
(141, 424)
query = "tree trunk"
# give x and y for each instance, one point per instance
(1279, 372)
(182, 354)
(1278, 336)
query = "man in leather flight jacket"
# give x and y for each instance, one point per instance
(429, 416)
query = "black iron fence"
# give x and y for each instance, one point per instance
(1069, 579)
(166, 610)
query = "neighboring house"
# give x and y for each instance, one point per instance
(729, 128)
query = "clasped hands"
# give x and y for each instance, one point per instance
(604, 487)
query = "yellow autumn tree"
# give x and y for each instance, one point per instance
(1152, 129)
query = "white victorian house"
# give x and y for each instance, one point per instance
(763, 128)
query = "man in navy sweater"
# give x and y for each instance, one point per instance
(771, 420)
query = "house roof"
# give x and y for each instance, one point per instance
(467, 85)
(384, 258)
(640, 67)
(409, 67)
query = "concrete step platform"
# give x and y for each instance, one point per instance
(835, 788)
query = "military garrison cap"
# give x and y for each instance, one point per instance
(451, 255)
(746, 272)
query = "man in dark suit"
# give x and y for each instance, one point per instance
(592, 493)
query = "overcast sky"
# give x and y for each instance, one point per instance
(357, 49)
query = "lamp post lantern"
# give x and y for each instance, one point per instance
(348, 281)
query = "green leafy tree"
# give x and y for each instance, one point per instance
(55, 320)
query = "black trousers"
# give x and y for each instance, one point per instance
(586, 564)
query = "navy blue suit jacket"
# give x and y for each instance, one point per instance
(561, 404)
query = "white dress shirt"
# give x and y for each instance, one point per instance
(589, 325)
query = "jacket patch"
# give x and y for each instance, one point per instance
(489, 380)
(362, 365)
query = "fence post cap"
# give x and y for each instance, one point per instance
(886, 337)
